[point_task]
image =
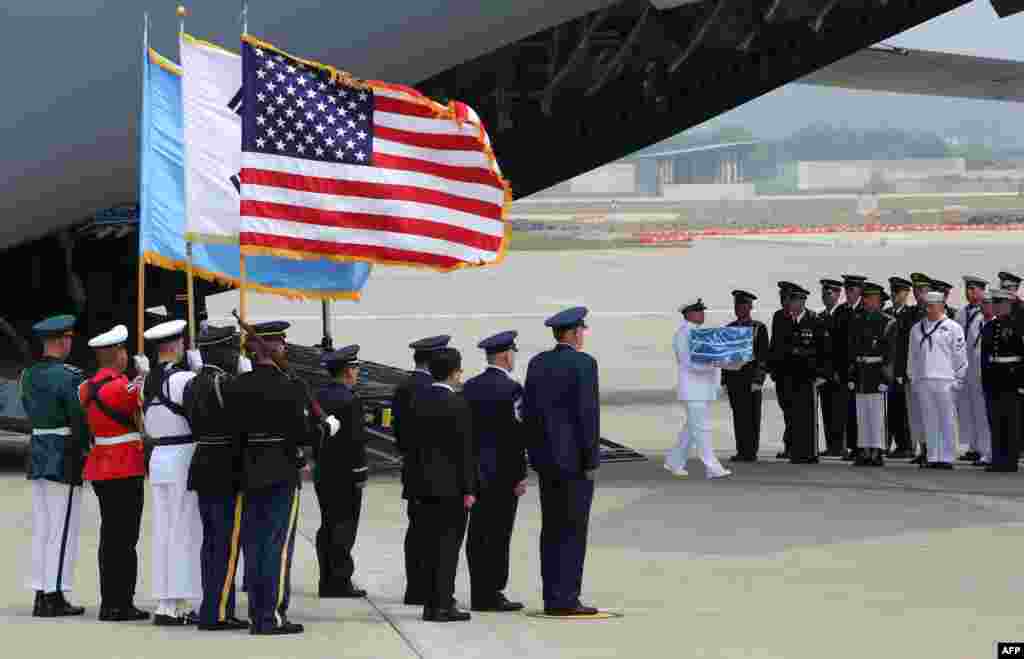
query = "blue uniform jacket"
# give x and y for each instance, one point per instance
(562, 414)
(497, 431)
(60, 434)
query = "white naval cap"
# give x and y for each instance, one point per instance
(999, 295)
(172, 329)
(114, 337)
(935, 297)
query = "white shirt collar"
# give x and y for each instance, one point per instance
(421, 370)
(443, 384)
(568, 345)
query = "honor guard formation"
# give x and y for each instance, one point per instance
(224, 432)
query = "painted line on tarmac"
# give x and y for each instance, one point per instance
(469, 315)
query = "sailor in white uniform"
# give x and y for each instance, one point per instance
(177, 525)
(698, 386)
(937, 367)
(970, 402)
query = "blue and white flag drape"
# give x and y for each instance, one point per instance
(162, 223)
(722, 345)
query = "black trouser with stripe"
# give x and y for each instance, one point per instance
(746, 417)
(899, 425)
(800, 415)
(487, 546)
(121, 501)
(222, 526)
(340, 505)
(268, 531)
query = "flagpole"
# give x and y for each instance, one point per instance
(190, 286)
(243, 306)
(140, 312)
(328, 341)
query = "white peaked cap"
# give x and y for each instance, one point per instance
(168, 330)
(112, 338)
(935, 298)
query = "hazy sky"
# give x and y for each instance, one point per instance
(974, 29)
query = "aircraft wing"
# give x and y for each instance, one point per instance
(926, 72)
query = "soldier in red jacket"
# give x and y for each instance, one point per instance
(116, 467)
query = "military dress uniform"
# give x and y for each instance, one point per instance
(60, 435)
(971, 409)
(780, 318)
(800, 356)
(872, 350)
(562, 417)
(1010, 283)
(443, 471)
(897, 417)
(745, 387)
(272, 416)
(495, 399)
(405, 394)
(177, 523)
(844, 315)
(1002, 372)
(116, 468)
(937, 366)
(214, 476)
(915, 422)
(833, 399)
(338, 479)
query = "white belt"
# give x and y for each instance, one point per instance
(1006, 360)
(120, 439)
(52, 431)
(870, 360)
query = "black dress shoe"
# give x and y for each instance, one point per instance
(53, 605)
(189, 618)
(499, 603)
(1001, 469)
(901, 455)
(448, 614)
(578, 610)
(228, 624)
(37, 605)
(942, 465)
(344, 590)
(284, 628)
(782, 455)
(122, 614)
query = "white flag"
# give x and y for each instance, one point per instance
(211, 95)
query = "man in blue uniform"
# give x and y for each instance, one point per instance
(340, 476)
(401, 407)
(495, 399)
(1002, 376)
(60, 434)
(274, 418)
(214, 475)
(562, 415)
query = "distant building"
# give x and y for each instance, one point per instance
(842, 175)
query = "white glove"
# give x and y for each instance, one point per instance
(899, 380)
(851, 386)
(819, 381)
(244, 364)
(957, 386)
(882, 388)
(141, 364)
(590, 474)
(755, 387)
(333, 424)
(195, 360)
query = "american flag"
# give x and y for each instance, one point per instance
(357, 170)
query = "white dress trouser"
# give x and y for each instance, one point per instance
(696, 432)
(937, 402)
(974, 428)
(177, 541)
(914, 418)
(871, 421)
(56, 517)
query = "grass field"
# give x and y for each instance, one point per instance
(938, 203)
(524, 241)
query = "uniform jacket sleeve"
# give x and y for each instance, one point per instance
(519, 431)
(590, 414)
(761, 345)
(356, 440)
(824, 355)
(959, 354)
(912, 349)
(76, 416)
(399, 412)
(892, 342)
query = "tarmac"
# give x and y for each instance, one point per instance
(776, 561)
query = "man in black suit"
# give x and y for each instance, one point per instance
(898, 416)
(442, 477)
(340, 476)
(496, 400)
(853, 286)
(401, 409)
(562, 416)
(833, 401)
(779, 319)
